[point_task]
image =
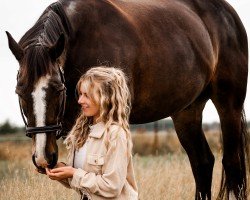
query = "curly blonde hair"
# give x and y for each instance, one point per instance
(107, 86)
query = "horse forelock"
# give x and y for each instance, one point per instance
(35, 64)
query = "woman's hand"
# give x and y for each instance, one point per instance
(60, 173)
(43, 171)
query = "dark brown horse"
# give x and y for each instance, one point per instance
(178, 54)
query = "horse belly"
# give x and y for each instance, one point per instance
(169, 95)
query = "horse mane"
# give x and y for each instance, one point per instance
(37, 41)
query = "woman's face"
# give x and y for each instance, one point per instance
(89, 107)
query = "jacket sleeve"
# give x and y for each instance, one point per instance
(110, 183)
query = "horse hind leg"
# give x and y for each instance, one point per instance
(188, 125)
(228, 101)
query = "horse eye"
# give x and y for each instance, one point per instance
(60, 90)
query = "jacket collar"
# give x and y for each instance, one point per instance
(97, 130)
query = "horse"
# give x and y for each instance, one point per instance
(177, 54)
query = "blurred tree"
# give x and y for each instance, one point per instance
(7, 128)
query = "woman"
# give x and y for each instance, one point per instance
(100, 159)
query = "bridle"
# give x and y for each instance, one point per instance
(30, 131)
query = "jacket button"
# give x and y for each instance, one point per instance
(95, 161)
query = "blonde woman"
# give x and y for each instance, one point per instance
(100, 159)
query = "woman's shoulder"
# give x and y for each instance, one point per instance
(117, 131)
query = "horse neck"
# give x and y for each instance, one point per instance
(59, 9)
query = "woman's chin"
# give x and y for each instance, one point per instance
(87, 114)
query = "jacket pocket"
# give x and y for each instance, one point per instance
(95, 159)
(95, 162)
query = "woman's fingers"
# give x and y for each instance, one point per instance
(58, 175)
(56, 170)
(47, 171)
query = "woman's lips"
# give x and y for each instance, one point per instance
(85, 107)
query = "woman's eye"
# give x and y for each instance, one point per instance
(83, 94)
(86, 95)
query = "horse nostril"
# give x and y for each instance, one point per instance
(39, 161)
(54, 158)
(40, 169)
(34, 160)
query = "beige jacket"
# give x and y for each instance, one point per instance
(108, 170)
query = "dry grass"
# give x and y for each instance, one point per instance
(163, 177)
(146, 143)
(169, 177)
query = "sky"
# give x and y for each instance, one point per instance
(18, 16)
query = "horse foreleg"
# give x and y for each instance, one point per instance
(188, 125)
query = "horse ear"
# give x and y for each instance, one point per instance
(56, 50)
(14, 47)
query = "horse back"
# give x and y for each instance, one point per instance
(171, 42)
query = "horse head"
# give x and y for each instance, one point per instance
(42, 95)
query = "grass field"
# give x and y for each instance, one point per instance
(165, 176)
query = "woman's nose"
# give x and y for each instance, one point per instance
(81, 100)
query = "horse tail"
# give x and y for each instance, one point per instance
(245, 153)
(244, 156)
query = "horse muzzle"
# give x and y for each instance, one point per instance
(45, 164)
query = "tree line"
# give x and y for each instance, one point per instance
(164, 124)
(8, 128)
